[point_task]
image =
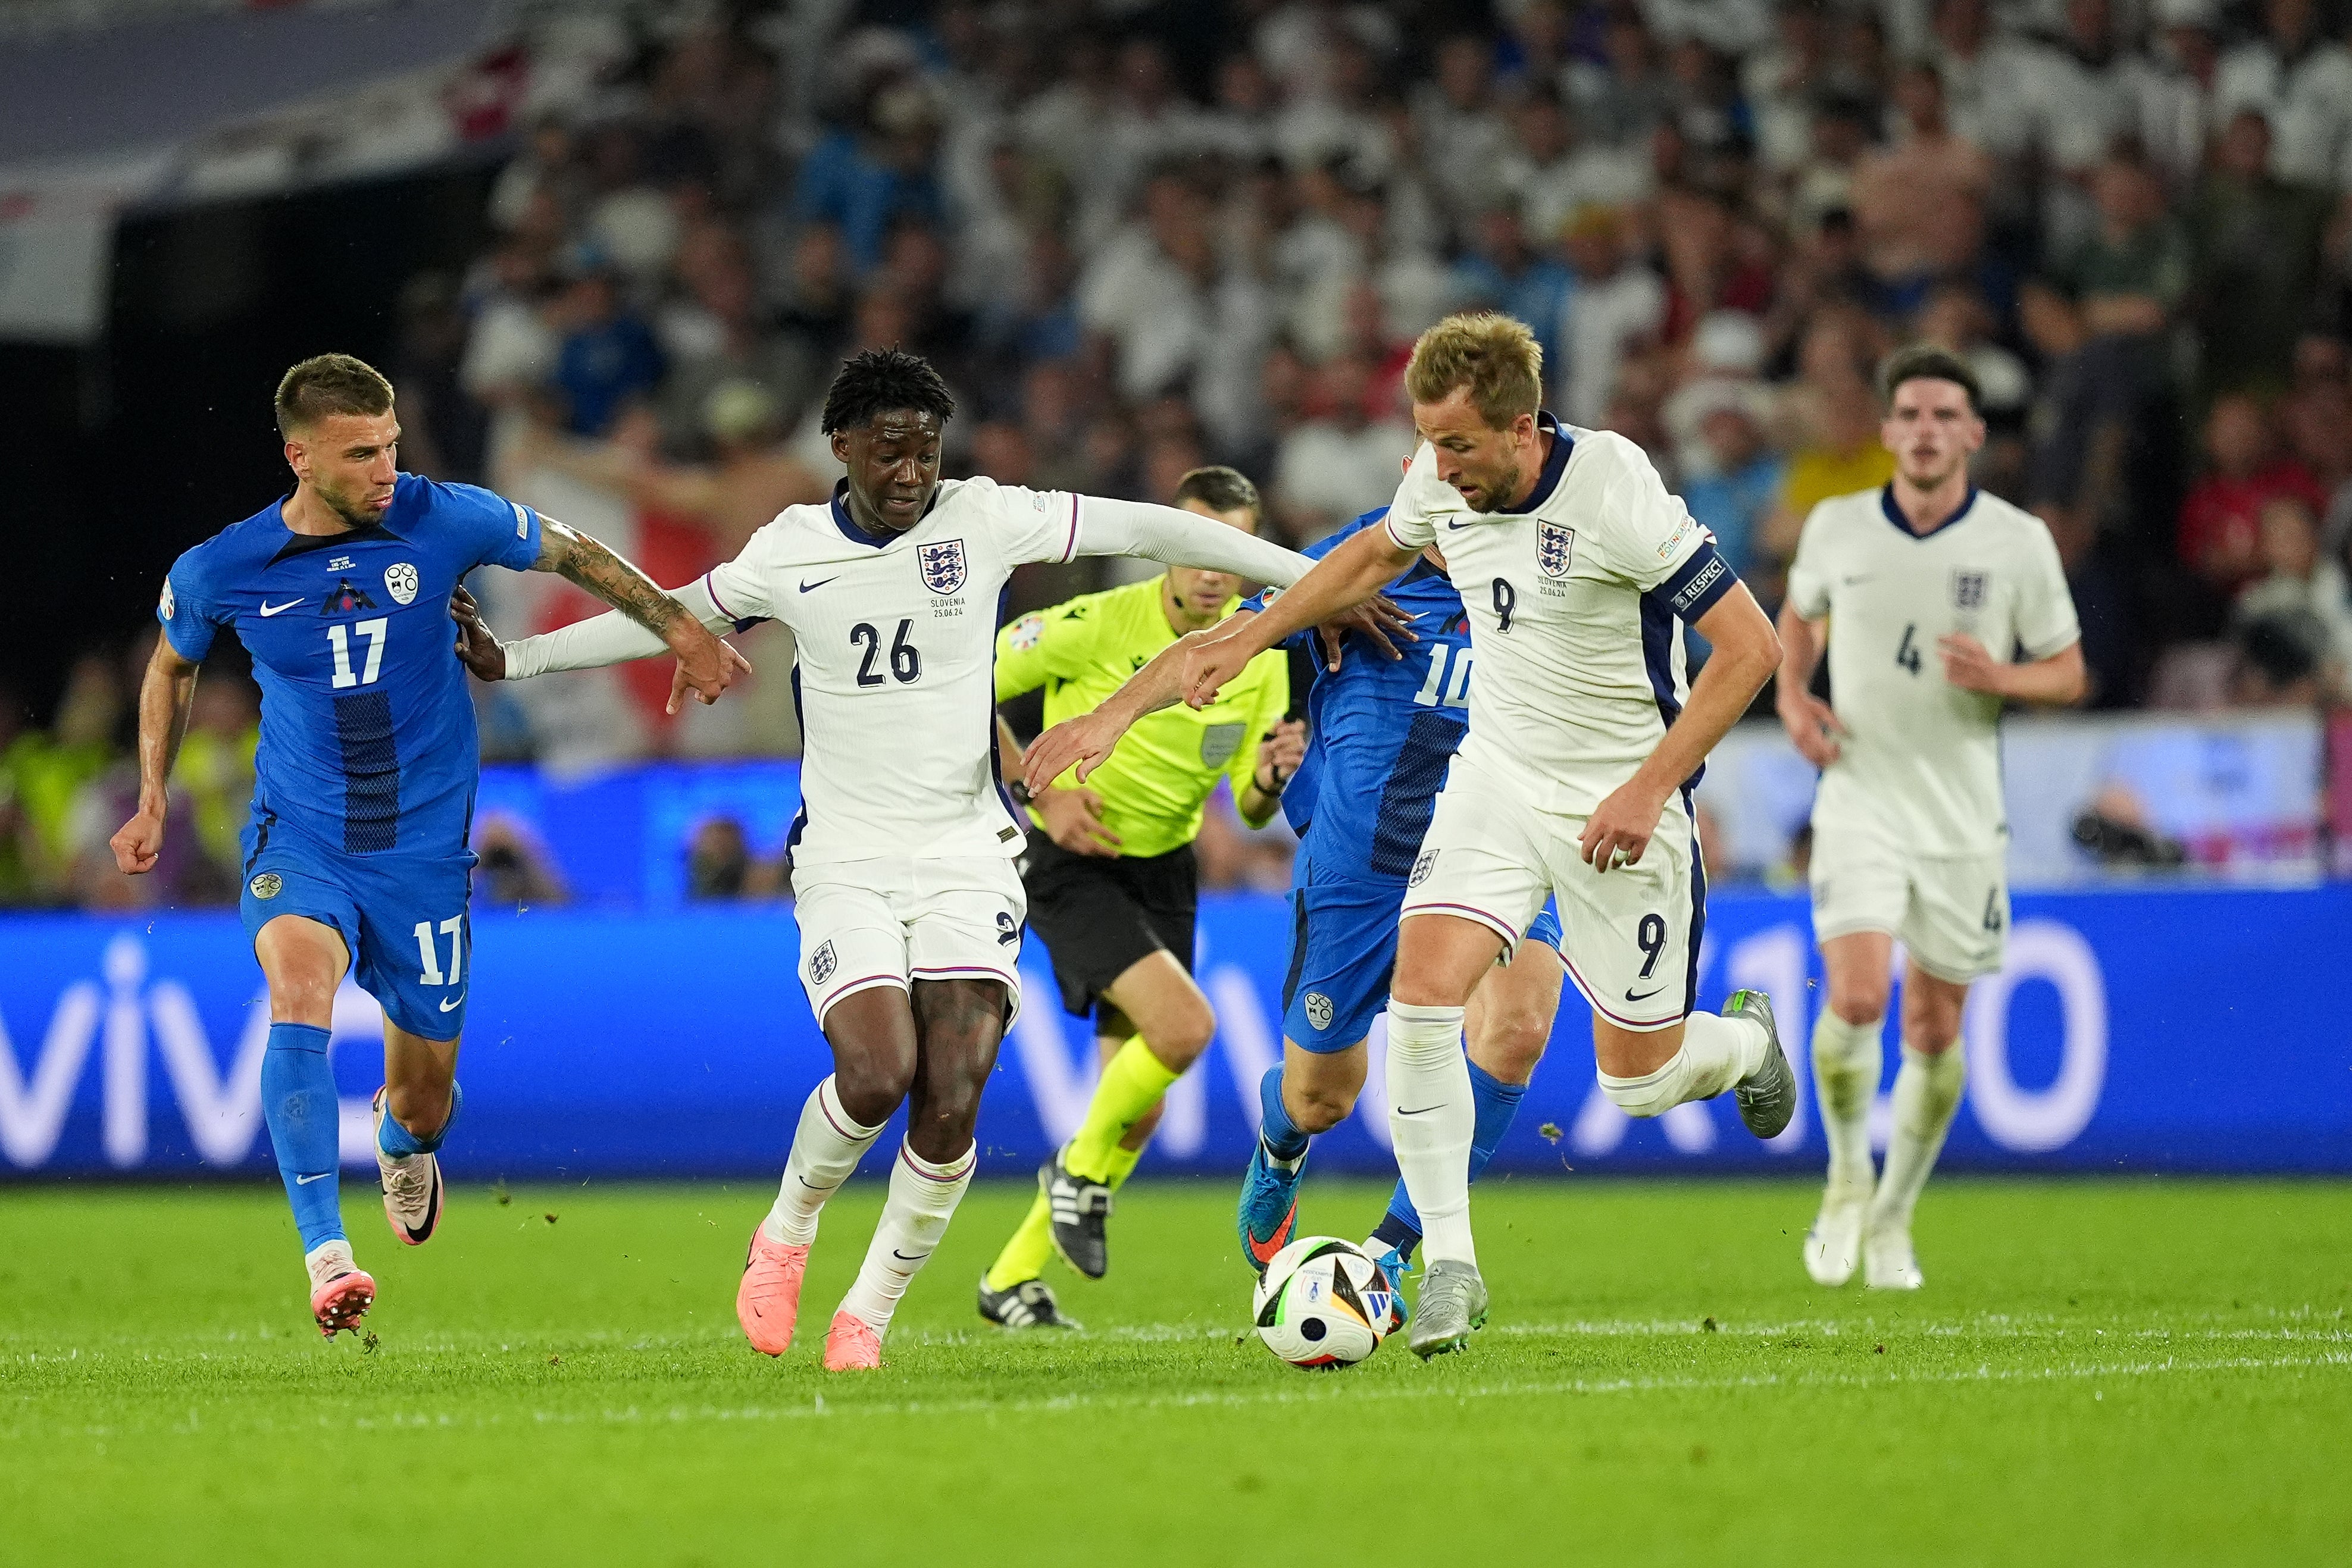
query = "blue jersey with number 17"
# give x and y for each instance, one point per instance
(368, 743)
(1381, 731)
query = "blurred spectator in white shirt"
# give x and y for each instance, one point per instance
(1613, 306)
(1340, 463)
(2301, 83)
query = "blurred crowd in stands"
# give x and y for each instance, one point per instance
(1138, 238)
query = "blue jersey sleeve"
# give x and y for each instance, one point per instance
(487, 528)
(188, 607)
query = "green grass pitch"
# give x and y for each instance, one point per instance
(2133, 1372)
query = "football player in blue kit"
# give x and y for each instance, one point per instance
(355, 855)
(1380, 732)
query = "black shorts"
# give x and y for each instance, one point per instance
(1098, 916)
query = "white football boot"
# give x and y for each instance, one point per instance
(1833, 1246)
(1887, 1263)
(412, 1185)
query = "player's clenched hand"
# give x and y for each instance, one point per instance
(705, 663)
(1811, 724)
(1380, 620)
(1618, 828)
(1968, 665)
(1073, 820)
(1209, 664)
(477, 649)
(137, 843)
(1084, 742)
(732, 665)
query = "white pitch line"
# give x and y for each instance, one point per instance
(1326, 1389)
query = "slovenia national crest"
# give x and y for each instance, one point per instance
(1555, 547)
(942, 565)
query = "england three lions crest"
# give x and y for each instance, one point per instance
(1968, 589)
(1555, 547)
(942, 565)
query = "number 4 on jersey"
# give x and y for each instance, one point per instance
(1908, 655)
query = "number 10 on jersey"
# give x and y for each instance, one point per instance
(1447, 688)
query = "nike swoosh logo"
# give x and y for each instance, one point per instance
(451, 1003)
(306, 1181)
(820, 582)
(1263, 1252)
(268, 610)
(1453, 525)
(1644, 997)
(1850, 581)
(1423, 1111)
(904, 1258)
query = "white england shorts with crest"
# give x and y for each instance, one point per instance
(1630, 937)
(893, 921)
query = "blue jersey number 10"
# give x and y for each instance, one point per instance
(1438, 689)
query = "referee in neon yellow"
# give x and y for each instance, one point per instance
(1111, 879)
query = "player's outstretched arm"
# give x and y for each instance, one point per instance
(1747, 650)
(1087, 741)
(164, 695)
(1174, 537)
(1348, 577)
(702, 662)
(1812, 724)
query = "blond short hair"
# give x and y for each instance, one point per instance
(1495, 356)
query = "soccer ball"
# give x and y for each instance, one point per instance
(1322, 1303)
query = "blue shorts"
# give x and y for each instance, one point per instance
(1343, 949)
(388, 907)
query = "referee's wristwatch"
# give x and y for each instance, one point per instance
(1281, 782)
(1019, 790)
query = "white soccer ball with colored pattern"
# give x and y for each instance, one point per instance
(1322, 1304)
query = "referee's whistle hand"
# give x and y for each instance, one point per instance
(1073, 820)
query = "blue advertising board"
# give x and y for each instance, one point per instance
(2133, 1030)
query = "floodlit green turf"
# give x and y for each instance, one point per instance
(2140, 1372)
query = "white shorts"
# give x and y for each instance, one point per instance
(1950, 911)
(892, 922)
(1630, 937)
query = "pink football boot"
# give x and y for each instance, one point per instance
(341, 1302)
(768, 1301)
(851, 1346)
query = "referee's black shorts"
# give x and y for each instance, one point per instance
(1098, 916)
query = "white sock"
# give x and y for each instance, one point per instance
(923, 1199)
(1429, 1077)
(1926, 1093)
(1847, 1061)
(1717, 1052)
(825, 1149)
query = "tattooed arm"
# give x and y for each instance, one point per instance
(703, 663)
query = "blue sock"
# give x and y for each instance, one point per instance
(1497, 1102)
(305, 1117)
(398, 1142)
(1283, 1139)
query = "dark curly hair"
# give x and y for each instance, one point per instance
(881, 381)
